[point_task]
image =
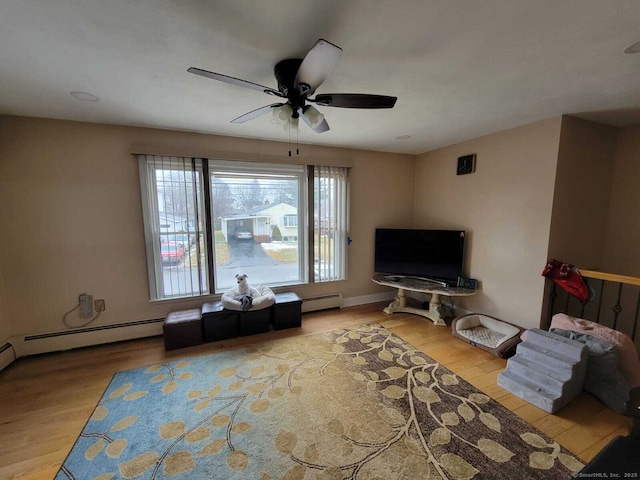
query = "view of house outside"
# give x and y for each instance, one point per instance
(257, 231)
(256, 222)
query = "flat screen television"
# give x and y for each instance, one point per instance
(428, 254)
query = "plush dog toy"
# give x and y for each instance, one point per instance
(245, 292)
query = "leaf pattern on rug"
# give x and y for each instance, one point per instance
(172, 375)
(346, 404)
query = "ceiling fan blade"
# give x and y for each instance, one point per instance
(320, 127)
(317, 66)
(234, 81)
(256, 113)
(354, 100)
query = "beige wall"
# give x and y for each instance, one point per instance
(582, 188)
(505, 206)
(376, 203)
(72, 221)
(5, 326)
(622, 252)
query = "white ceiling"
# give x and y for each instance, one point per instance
(460, 68)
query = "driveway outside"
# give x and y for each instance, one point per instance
(249, 258)
(246, 257)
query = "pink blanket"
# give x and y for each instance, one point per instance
(628, 362)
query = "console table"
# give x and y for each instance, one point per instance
(417, 285)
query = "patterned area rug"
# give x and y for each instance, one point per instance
(345, 404)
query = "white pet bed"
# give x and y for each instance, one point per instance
(487, 333)
(264, 299)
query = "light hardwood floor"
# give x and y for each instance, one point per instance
(45, 400)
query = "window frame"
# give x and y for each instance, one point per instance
(205, 167)
(327, 213)
(147, 166)
(288, 219)
(267, 170)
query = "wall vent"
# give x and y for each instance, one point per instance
(322, 302)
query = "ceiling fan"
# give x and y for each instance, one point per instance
(298, 79)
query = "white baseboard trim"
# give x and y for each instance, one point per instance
(373, 298)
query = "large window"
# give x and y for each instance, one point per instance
(330, 223)
(175, 232)
(207, 220)
(250, 205)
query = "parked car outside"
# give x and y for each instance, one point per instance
(181, 238)
(243, 235)
(172, 253)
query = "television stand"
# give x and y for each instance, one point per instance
(399, 304)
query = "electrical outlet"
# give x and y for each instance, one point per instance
(86, 305)
(100, 306)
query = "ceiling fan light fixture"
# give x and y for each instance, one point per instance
(281, 115)
(292, 124)
(314, 116)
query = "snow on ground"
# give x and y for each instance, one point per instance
(277, 246)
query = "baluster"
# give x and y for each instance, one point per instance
(600, 300)
(584, 303)
(552, 297)
(617, 308)
(635, 323)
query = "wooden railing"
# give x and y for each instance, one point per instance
(614, 301)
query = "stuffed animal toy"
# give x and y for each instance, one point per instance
(245, 292)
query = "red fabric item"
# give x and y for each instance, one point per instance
(567, 276)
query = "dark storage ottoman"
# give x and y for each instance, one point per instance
(182, 329)
(254, 321)
(218, 323)
(287, 311)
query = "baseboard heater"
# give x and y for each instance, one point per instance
(83, 337)
(7, 355)
(322, 302)
(21, 346)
